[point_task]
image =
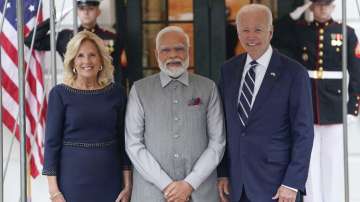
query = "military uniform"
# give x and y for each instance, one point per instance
(318, 46)
(42, 38)
(114, 44)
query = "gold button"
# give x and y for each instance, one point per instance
(356, 111)
(356, 105)
(321, 53)
(321, 45)
(358, 97)
(321, 37)
(321, 31)
(321, 68)
(320, 61)
(304, 48)
(337, 49)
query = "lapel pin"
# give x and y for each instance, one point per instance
(273, 74)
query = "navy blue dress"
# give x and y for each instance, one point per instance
(84, 142)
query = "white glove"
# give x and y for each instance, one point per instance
(64, 14)
(299, 11)
(309, 16)
(352, 119)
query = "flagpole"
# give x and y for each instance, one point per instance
(53, 42)
(22, 123)
(75, 24)
(344, 99)
(1, 121)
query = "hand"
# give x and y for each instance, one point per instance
(309, 16)
(124, 195)
(58, 198)
(223, 188)
(352, 119)
(285, 195)
(299, 11)
(178, 191)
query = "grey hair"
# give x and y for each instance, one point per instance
(172, 29)
(254, 8)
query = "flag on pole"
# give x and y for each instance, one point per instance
(35, 99)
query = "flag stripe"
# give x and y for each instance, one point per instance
(35, 99)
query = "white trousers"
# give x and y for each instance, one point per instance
(326, 174)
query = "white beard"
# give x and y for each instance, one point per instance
(174, 72)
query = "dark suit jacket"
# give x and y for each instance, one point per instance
(275, 146)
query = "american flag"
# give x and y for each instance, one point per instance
(35, 103)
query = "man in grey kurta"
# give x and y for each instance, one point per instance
(175, 134)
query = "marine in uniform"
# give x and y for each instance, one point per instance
(113, 42)
(318, 46)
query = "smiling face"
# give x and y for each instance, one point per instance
(254, 32)
(87, 61)
(173, 54)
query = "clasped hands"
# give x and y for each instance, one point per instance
(178, 191)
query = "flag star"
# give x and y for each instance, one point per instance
(8, 5)
(31, 8)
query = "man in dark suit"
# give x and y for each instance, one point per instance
(269, 120)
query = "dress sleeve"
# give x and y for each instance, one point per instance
(53, 133)
(126, 163)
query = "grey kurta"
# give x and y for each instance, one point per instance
(174, 131)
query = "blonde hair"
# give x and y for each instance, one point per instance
(105, 76)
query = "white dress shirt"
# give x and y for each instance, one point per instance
(260, 70)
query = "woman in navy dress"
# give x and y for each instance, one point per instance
(85, 160)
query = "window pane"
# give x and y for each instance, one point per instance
(272, 4)
(149, 34)
(180, 10)
(233, 46)
(154, 10)
(233, 6)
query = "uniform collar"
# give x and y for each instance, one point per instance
(165, 79)
(93, 30)
(323, 24)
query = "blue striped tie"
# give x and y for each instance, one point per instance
(246, 94)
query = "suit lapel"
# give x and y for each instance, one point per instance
(271, 76)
